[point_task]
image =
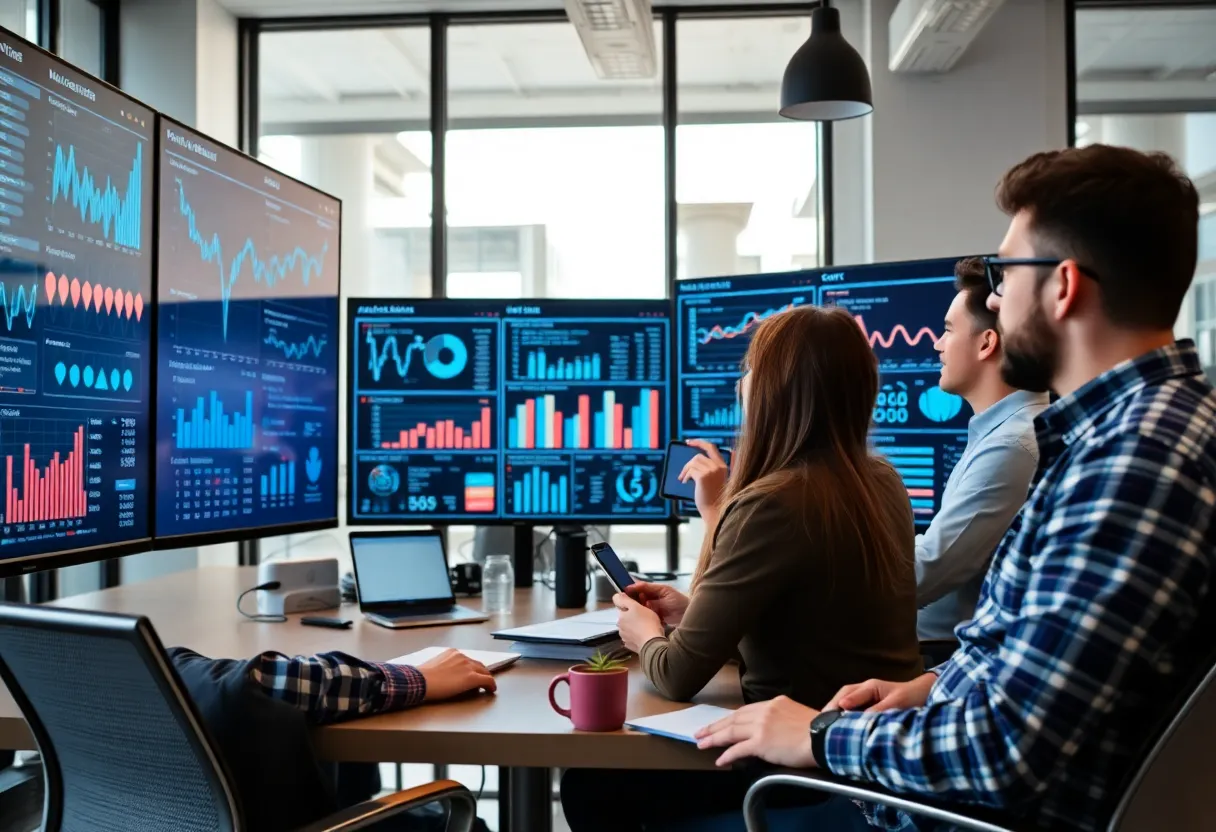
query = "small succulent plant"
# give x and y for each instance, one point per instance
(601, 663)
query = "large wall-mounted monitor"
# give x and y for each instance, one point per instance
(901, 306)
(485, 411)
(76, 259)
(247, 370)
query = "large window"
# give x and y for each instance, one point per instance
(348, 111)
(554, 175)
(1143, 81)
(745, 178)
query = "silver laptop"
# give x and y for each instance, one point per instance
(402, 580)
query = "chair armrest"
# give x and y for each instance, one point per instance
(461, 805)
(977, 819)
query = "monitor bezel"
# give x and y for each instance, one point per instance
(30, 564)
(211, 538)
(352, 305)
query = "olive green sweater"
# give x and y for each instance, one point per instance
(796, 606)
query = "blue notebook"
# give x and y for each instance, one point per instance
(680, 725)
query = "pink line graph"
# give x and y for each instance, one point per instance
(116, 301)
(879, 340)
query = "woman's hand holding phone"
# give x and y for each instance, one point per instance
(666, 601)
(708, 472)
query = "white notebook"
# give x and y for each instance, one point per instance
(680, 725)
(493, 661)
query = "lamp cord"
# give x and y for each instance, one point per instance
(268, 619)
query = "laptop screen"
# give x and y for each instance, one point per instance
(400, 570)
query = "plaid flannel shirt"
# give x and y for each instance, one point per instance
(330, 687)
(1081, 618)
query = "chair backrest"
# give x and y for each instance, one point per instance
(1170, 787)
(121, 744)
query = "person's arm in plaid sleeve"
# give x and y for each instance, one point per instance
(1118, 578)
(330, 687)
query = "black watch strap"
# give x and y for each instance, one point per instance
(819, 734)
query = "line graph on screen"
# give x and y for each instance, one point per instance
(270, 271)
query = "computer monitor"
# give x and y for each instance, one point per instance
(76, 259)
(247, 370)
(900, 306)
(508, 411)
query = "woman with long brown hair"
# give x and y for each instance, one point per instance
(806, 573)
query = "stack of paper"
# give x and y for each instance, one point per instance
(493, 661)
(569, 639)
(680, 725)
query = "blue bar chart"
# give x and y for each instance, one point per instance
(916, 466)
(280, 482)
(209, 426)
(538, 492)
(582, 368)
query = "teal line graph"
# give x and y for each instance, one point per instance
(100, 204)
(379, 357)
(22, 302)
(300, 349)
(269, 271)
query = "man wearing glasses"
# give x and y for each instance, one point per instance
(1098, 604)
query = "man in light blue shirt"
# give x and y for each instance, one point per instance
(992, 478)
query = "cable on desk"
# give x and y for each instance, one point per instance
(269, 619)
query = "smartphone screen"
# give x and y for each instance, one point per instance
(612, 566)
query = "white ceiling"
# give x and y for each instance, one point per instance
(1152, 54)
(515, 70)
(540, 71)
(293, 8)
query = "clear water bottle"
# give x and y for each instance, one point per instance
(498, 584)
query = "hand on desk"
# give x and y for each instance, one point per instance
(667, 602)
(636, 623)
(452, 673)
(778, 731)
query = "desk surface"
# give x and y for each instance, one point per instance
(515, 727)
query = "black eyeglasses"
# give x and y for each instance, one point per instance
(995, 267)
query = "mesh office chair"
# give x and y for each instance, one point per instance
(1170, 788)
(121, 743)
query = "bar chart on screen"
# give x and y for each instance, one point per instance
(402, 423)
(209, 425)
(42, 488)
(627, 350)
(604, 420)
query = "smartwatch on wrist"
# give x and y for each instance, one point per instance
(819, 734)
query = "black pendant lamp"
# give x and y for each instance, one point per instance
(826, 80)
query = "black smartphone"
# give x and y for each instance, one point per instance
(678, 455)
(612, 566)
(321, 621)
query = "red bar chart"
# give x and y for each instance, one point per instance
(564, 422)
(444, 435)
(53, 492)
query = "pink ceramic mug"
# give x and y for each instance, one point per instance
(597, 700)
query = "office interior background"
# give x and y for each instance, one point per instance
(477, 153)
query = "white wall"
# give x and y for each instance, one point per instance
(939, 143)
(217, 80)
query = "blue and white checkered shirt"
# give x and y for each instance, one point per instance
(330, 687)
(1079, 629)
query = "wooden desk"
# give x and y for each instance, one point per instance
(515, 728)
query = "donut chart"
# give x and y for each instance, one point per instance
(445, 356)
